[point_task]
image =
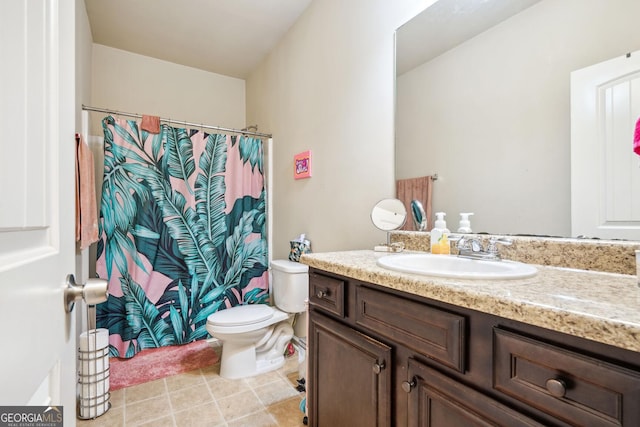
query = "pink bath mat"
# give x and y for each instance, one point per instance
(156, 363)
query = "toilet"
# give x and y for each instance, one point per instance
(254, 336)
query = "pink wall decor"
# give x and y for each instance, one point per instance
(302, 165)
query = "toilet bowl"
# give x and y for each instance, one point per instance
(254, 336)
(253, 339)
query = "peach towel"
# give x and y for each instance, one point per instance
(416, 189)
(86, 205)
(151, 124)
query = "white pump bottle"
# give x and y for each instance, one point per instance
(465, 224)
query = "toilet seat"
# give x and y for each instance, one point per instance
(241, 315)
(244, 318)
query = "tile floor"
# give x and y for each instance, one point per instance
(203, 398)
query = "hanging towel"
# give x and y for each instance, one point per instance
(416, 189)
(151, 124)
(86, 206)
(636, 138)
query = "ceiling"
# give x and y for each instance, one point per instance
(228, 37)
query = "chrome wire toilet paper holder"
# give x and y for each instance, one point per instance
(93, 397)
(93, 375)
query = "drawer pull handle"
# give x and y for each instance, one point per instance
(378, 367)
(409, 385)
(556, 387)
(321, 293)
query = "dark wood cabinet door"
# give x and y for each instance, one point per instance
(350, 376)
(436, 400)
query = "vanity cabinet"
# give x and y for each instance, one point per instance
(381, 357)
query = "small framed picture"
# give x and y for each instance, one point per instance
(302, 165)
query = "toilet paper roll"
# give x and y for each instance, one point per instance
(94, 339)
(93, 368)
(93, 410)
(96, 392)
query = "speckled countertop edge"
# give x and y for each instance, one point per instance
(613, 256)
(603, 307)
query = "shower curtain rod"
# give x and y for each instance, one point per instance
(182, 122)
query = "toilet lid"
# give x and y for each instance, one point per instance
(241, 315)
(289, 266)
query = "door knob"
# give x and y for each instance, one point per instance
(93, 292)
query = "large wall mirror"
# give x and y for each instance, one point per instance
(483, 100)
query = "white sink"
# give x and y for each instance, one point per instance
(455, 267)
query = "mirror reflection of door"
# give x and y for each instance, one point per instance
(605, 172)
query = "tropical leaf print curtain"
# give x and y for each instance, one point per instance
(183, 232)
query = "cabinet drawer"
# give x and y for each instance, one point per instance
(574, 388)
(430, 331)
(327, 292)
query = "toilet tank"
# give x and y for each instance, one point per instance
(290, 285)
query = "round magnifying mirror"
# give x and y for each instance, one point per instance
(389, 214)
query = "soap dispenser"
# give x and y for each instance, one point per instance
(465, 224)
(440, 236)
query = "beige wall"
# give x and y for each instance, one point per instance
(85, 268)
(328, 87)
(84, 44)
(492, 116)
(139, 84)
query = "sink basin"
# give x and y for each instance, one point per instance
(455, 267)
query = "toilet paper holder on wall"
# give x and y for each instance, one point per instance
(93, 292)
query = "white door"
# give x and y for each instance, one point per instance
(605, 172)
(37, 248)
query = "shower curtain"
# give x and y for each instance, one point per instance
(183, 232)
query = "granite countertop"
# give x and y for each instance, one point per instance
(599, 306)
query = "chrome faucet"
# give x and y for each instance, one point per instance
(472, 248)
